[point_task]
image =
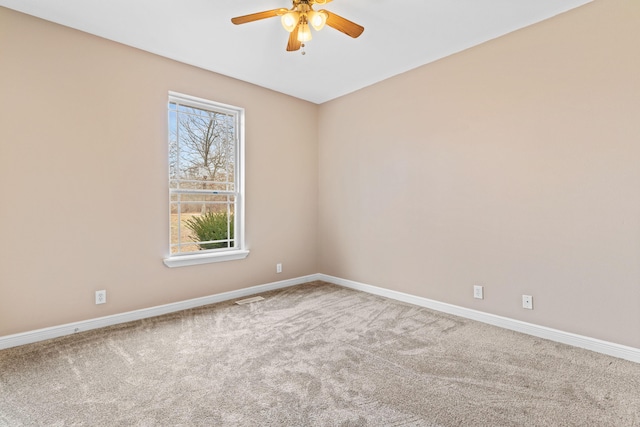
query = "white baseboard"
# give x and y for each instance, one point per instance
(86, 325)
(593, 344)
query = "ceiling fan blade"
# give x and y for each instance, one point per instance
(257, 16)
(343, 25)
(294, 44)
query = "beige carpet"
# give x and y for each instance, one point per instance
(315, 354)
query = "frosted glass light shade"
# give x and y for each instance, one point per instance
(317, 19)
(304, 33)
(290, 20)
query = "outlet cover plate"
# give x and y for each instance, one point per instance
(527, 302)
(101, 297)
(478, 292)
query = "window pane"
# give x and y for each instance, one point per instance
(202, 148)
(202, 222)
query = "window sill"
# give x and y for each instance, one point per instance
(185, 260)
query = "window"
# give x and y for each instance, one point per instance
(205, 181)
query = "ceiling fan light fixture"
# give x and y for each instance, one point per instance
(297, 20)
(304, 33)
(317, 19)
(290, 20)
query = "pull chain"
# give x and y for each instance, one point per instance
(303, 52)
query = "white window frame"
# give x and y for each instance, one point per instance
(239, 251)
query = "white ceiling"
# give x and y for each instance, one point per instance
(398, 36)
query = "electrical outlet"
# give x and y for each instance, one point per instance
(527, 302)
(478, 292)
(101, 297)
(279, 267)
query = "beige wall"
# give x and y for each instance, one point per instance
(514, 165)
(83, 172)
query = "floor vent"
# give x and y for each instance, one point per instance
(249, 300)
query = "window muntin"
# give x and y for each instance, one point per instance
(205, 177)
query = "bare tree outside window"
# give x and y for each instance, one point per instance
(202, 149)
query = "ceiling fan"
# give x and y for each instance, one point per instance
(297, 20)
